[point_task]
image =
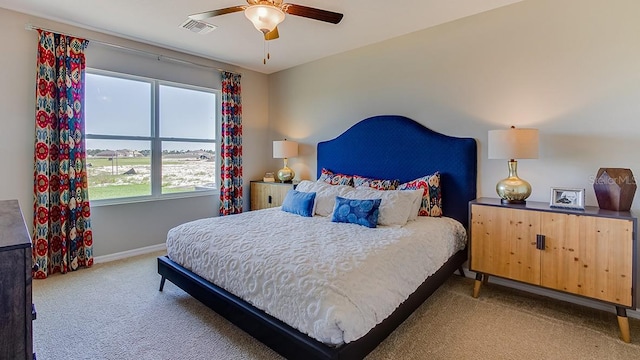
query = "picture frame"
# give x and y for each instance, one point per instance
(568, 198)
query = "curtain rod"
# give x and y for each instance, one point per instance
(125, 48)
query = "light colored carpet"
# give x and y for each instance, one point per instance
(118, 313)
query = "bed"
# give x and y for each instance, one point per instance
(383, 147)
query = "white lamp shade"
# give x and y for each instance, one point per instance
(513, 144)
(264, 17)
(285, 149)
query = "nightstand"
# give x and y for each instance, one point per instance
(268, 194)
(587, 252)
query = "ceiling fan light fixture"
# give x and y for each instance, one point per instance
(265, 18)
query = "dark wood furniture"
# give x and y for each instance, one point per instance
(16, 309)
(589, 253)
(384, 147)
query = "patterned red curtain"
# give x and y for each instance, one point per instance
(231, 146)
(62, 237)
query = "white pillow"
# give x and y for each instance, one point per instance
(396, 206)
(415, 210)
(325, 194)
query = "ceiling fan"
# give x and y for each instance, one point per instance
(267, 14)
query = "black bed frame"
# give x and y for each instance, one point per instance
(287, 341)
(382, 147)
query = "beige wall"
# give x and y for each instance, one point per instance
(117, 228)
(570, 68)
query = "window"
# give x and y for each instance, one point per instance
(147, 138)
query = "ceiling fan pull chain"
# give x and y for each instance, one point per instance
(267, 55)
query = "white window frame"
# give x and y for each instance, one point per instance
(156, 141)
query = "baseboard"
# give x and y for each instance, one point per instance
(129, 253)
(555, 294)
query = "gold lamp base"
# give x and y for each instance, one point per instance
(286, 174)
(513, 190)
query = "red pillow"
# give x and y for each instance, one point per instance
(380, 184)
(335, 179)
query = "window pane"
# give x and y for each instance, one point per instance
(116, 106)
(188, 166)
(118, 168)
(187, 113)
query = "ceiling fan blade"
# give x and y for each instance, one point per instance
(212, 13)
(312, 13)
(272, 35)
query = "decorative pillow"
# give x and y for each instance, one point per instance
(415, 207)
(356, 211)
(432, 195)
(299, 203)
(335, 179)
(325, 194)
(380, 184)
(396, 205)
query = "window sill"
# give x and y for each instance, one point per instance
(144, 199)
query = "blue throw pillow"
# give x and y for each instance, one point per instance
(356, 211)
(299, 203)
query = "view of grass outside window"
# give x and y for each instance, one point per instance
(148, 138)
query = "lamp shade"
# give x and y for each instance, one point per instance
(265, 18)
(513, 144)
(285, 149)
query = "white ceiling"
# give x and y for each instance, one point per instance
(237, 42)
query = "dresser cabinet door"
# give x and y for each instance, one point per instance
(504, 243)
(268, 195)
(15, 325)
(589, 256)
(278, 193)
(259, 196)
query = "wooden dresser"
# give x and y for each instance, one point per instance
(590, 252)
(266, 195)
(16, 310)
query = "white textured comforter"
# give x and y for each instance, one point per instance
(332, 281)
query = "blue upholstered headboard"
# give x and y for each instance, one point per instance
(396, 147)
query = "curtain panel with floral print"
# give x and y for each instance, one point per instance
(62, 236)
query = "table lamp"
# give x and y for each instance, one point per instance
(513, 144)
(284, 149)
